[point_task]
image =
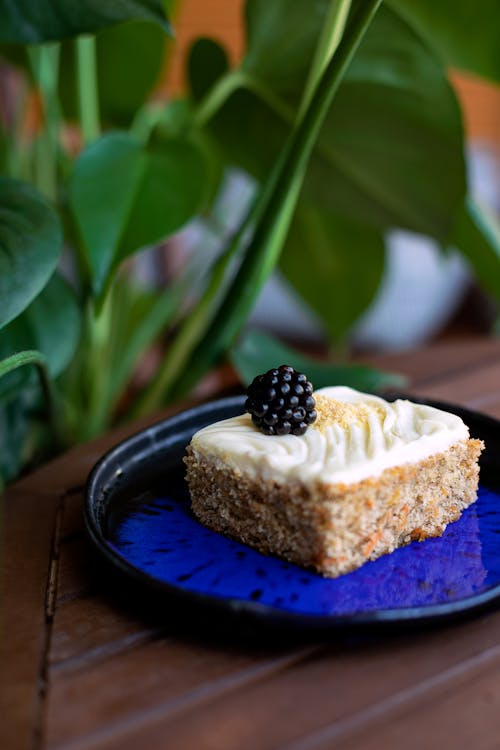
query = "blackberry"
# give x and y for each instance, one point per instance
(281, 402)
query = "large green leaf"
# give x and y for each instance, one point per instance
(477, 236)
(129, 61)
(258, 352)
(464, 34)
(335, 264)
(391, 150)
(170, 193)
(125, 197)
(207, 62)
(102, 190)
(51, 325)
(35, 21)
(281, 36)
(30, 242)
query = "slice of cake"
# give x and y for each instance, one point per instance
(367, 476)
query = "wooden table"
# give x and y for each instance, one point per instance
(81, 671)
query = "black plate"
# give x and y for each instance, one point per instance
(137, 515)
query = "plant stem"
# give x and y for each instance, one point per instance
(38, 360)
(329, 40)
(87, 88)
(270, 232)
(216, 97)
(45, 66)
(272, 215)
(97, 367)
(227, 85)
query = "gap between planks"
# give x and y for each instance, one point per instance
(447, 681)
(442, 378)
(205, 693)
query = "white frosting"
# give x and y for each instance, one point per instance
(393, 434)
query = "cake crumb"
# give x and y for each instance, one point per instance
(330, 411)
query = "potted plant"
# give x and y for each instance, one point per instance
(341, 112)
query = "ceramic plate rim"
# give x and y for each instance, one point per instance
(94, 528)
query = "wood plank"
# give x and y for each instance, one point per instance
(72, 522)
(74, 578)
(90, 629)
(142, 681)
(458, 711)
(332, 685)
(117, 685)
(441, 359)
(28, 538)
(476, 389)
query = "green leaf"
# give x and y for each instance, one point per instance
(391, 150)
(15, 337)
(124, 80)
(139, 317)
(335, 264)
(249, 133)
(125, 197)
(204, 339)
(52, 322)
(170, 193)
(207, 62)
(463, 33)
(102, 190)
(258, 352)
(50, 325)
(14, 423)
(281, 37)
(477, 236)
(31, 22)
(30, 242)
(24, 427)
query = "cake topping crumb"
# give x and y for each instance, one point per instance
(344, 413)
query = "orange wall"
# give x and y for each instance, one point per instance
(221, 19)
(481, 105)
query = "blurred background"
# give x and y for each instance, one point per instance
(424, 294)
(154, 174)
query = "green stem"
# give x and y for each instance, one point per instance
(188, 336)
(97, 366)
(195, 325)
(38, 360)
(329, 40)
(16, 148)
(45, 66)
(227, 85)
(87, 88)
(271, 216)
(270, 233)
(216, 97)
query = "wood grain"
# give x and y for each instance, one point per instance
(30, 523)
(335, 687)
(107, 701)
(86, 670)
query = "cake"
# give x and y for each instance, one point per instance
(366, 477)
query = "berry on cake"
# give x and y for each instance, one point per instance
(330, 479)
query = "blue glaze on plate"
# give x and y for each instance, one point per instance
(159, 536)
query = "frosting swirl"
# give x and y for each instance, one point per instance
(356, 436)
